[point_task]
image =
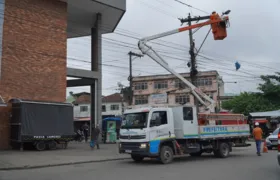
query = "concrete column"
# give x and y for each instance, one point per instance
(96, 88)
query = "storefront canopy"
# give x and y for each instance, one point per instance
(266, 114)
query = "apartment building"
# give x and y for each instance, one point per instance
(168, 89)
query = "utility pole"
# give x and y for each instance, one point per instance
(193, 71)
(130, 74)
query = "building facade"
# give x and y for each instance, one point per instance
(112, 105)
(168, 89)
(33, 54)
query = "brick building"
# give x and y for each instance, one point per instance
(33, 49)
(167, 89)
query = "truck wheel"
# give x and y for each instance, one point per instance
(137, 158)
(40, 146)
(223, 150)
(166, 155)
(196, 154)
(52, 145)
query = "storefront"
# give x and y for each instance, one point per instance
(268, 121)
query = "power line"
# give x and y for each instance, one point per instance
(191, 6)
(56, 29)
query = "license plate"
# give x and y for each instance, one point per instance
(128, 151)
(274, 143)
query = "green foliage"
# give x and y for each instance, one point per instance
(268, 99)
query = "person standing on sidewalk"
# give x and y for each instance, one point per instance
(95, 136)
(86, 131)
(257, 132)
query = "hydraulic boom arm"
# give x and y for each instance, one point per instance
(148, 50)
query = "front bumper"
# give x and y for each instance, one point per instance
(270, 144)
(135, 148)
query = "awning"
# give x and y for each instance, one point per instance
(82, 119)
(261, 120)
(266, 114)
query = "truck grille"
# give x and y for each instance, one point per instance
(133, 137)
(130, 145)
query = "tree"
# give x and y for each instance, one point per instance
(248, 102)
(271, 88)
(268, 99)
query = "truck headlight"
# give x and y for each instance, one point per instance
(143, 146)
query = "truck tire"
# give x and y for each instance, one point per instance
(40, 145)
(166, 154)
(137, 158)
(52, 145)
(223, 150)
(196, 154)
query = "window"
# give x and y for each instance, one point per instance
(182, 99)
(179, 84)
(135, 120)
(141, 86)
(188, 113)
(160, 85)
(103, 108)
(204, 82)
(115, 107)
(141, 100)
(158, 118)
(83, 108)
(276, 131)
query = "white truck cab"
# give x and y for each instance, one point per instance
(168, 131)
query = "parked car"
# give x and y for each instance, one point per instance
(278, 147)
(272, 140)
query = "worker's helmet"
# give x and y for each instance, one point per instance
(257, 124)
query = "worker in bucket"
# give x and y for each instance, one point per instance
(257, 132)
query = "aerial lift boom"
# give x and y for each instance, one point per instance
(218, 24)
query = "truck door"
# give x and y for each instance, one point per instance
(190, 124)
(160, 128)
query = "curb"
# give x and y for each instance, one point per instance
(60, 164)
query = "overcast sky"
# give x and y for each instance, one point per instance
(253, 40)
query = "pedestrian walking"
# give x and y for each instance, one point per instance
(257, 132)
(86, 131)
(95, 136)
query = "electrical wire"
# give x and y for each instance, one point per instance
(57, 29)
(202, 43)
(191, 6)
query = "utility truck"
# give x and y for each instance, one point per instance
(164, 132)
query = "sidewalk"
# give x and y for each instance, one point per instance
(76, 153)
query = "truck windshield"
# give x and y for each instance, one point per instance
(135, 120)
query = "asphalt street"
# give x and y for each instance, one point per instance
(242, 164)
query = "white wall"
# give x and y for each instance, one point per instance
(78, 113)
(112, 112)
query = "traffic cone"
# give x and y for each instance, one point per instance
(265, 149)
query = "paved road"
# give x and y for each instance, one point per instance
(243, 164)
